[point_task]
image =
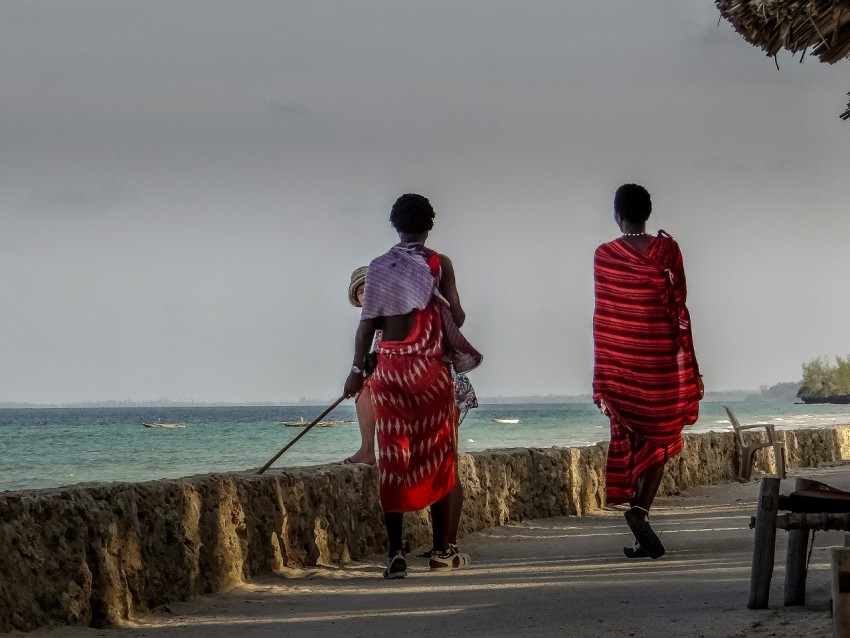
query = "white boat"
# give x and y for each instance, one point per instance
(511, 421)
(164, 425)
(320, 424)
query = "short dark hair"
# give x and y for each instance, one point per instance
(412, 213)
(632, 203)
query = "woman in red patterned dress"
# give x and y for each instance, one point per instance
(411, 296)
(646, 378)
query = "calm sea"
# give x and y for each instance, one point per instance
(52, 447)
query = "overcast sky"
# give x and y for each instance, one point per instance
(185, 187)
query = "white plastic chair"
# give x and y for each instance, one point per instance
(748, 450)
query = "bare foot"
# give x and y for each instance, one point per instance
(367, 458)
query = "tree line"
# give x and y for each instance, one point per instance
(822, 379)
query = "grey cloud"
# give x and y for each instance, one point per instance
(295, 111)
(73, 199)
(258, 147)
(365, 210)
(297, 122)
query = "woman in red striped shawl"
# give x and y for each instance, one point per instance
(411, 296)
(646, 379)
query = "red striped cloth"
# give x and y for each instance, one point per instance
(416, 417)
(645, 369)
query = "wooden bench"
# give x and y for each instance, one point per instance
(811, 506)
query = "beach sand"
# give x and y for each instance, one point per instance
(551, 577)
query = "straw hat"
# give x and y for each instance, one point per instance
(358, 278)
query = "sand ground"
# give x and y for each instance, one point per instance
(552, 577)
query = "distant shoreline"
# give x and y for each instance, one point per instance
(727, 395)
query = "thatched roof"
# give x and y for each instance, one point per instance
(793, 25)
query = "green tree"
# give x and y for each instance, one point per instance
(818, 377)
(841, 376)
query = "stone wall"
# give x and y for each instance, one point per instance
(94, 555)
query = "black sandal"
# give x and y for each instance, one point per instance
(635, 552)
(638, 521)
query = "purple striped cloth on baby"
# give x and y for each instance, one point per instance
(401, 281)
(397, 282)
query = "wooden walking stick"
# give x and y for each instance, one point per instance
(306, 429)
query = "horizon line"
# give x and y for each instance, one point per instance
(164, 403)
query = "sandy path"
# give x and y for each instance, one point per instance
(552, 577)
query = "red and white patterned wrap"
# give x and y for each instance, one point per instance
(416, 417)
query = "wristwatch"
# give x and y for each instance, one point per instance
(356, 370)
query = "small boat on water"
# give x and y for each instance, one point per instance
(170, 426)
(321, 424)
(509, 421)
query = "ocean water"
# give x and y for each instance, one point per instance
(53, 447)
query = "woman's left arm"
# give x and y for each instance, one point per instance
(448, 288)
